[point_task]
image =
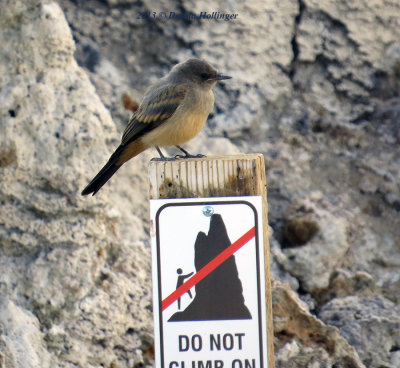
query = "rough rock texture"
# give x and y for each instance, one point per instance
(312, 232)
(65, 269)
(370, 324)
(315, 89)
(21, 342)
(304, 340)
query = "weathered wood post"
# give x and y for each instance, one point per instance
(209, 177)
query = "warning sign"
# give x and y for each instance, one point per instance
(208, 283)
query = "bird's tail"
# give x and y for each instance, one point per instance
(104, 174)
(122, 154)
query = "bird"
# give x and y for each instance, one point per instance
(173, 110)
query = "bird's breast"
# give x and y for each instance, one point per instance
(185, 123)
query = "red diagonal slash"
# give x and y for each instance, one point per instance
(208, 268)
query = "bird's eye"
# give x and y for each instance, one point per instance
(205, 76)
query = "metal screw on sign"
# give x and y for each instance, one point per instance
(208, 211)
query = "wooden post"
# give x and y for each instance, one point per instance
(218, 176)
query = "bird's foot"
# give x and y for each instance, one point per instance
(163, 159)
(189, 156)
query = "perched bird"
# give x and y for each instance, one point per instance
(173, 111)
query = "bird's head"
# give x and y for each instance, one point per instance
(196, 71)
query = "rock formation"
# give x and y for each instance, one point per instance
(219, 294)
(315, 89)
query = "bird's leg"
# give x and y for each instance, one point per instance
(160, 153)
(187, 154)
(162, 157)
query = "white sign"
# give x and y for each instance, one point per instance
(208, 283)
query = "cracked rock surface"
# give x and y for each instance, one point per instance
(315, 88)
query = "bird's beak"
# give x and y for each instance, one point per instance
(220, 76)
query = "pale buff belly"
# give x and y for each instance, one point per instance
(181, 127)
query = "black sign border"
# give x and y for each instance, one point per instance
(205, 203)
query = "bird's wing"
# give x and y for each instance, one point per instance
(155, 109)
